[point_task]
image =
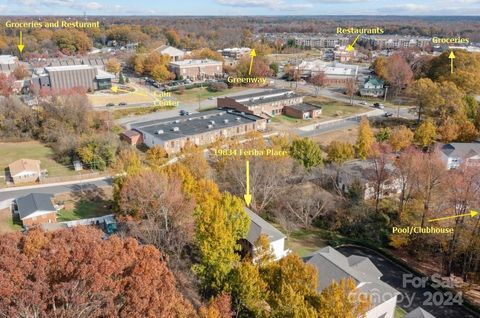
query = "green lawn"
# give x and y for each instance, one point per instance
(202, 93)
(84, 209)
(399, 312)
(10, 152)
(305, 242)
(331, 108)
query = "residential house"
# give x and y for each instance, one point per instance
(332, 266)
(197, 69)
(457, 153)
(267, 103)
(373, 87)
(35, 209)
(174, 53)
(200, 128)
(419, 312)
(359, 172)
(259, 226)
(25, 170)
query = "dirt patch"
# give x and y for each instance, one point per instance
(6, 222)
(347, 135)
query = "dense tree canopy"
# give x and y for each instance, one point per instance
(77, 273)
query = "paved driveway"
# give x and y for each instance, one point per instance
(438, 303)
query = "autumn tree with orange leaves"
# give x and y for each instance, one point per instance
(78, 273)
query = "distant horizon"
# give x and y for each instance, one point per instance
(242, 15)
(413, 8)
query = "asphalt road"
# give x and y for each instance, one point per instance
(55, 189)
(191, 107)
(413, 293)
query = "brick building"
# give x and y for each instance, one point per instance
(35, 209)
(197, 69)
(200, 129)
(302, 111)
(264, 104)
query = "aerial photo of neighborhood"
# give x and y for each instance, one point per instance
(239, 159)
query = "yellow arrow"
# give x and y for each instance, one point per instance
(115, 89)
(350, 46)
(451, 57)
(21, 46)
(248, 196)
(471, 214)
(252, 55)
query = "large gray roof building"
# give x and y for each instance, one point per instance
(419, 313)
(333, 266)
(200, 128)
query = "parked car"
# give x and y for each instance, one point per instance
(122, 104)
(387, 114)
(378, 105)
(183, 112)
(110, 105)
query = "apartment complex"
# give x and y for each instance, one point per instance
(322, 41)
(197, 69)
(381, 42)
(200, 129)
(270, 103)
(72, 76)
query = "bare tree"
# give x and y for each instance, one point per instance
(351, 88)
(318, 80)
(380, 173)
(304, 204)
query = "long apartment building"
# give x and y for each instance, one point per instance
(322, 41)
(396, 42)
(200, 128)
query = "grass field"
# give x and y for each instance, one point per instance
(10, 152)
(305, 242)
(83, 209)
(333, 109)
(141, 95)
(194, 94)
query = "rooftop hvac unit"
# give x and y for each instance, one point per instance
(212, 122)
(243, 113)
(190, 118)
(225, 121)
(177, 121)
(175, 129)
(204, 117)
(160, 131)
(238, 118)
(210, 126)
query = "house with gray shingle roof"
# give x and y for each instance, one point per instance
(456, 153)
(419, 312)
(35, 209)
(259, 226)
(332, 266)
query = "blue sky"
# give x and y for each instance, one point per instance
(239, 7)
